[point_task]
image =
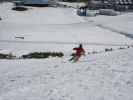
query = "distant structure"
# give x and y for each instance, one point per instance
(120, 5)
(39, 3)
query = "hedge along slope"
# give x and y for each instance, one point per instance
(7, 56)
(43, 55)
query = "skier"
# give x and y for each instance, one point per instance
(79, 51)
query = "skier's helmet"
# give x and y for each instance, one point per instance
(80, 45)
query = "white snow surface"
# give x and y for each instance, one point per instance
(51, 29)
(107, 76)
(122, 23)
(103, 76)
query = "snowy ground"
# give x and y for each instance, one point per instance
(107, 76)
(122, 23)
(52, 29)
(103, 76)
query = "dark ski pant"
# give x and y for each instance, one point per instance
(74, 58)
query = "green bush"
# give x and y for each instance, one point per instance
(2, 56)
(43, 55)
(7, 56)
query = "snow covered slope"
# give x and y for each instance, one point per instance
(103, 76)
(41, 16)
(51, 29)
(122, 23)
(107, 76)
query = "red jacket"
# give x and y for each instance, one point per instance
(79, 51)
